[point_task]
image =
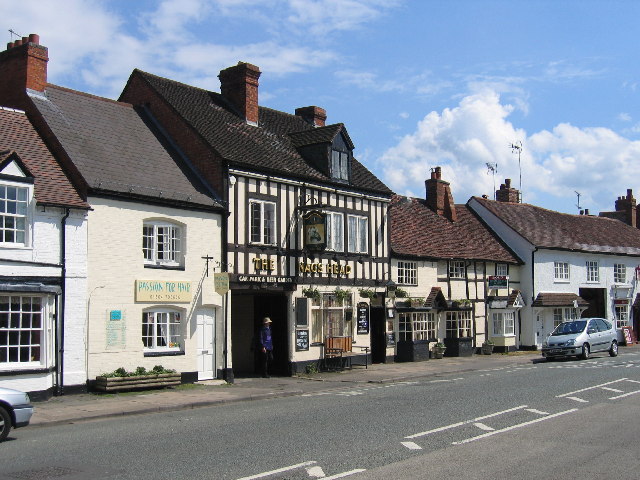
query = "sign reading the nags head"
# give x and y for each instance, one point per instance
(169, 291)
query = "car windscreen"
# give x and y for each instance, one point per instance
(568, 328)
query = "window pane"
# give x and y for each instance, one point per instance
(270, 223)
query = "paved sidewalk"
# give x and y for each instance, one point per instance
(75, 408)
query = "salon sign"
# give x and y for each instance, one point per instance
(167, 291)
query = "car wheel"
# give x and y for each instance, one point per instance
(5, 423)
(585, 352)
(613, 351)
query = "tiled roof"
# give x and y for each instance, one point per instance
(512, 301)
(550, 229)
(51, 185)
(268, 148)
(552, 299)
(436, 299)
(115, 150)
(418, 231)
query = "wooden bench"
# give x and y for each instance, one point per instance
(339, 354)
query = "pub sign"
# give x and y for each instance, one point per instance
(315, 236)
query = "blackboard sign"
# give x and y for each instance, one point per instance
(363, 318)
(302, 340)
(628, 337)
(391, 338)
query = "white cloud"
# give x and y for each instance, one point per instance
(624, 117)
(594, 161)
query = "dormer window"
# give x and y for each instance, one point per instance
(340, 165)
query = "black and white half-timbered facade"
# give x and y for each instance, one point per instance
(307, 239)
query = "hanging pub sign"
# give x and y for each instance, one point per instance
(363, 318)
(498, 281)
(315, 237)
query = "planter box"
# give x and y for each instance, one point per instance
(412, 350)
(487, 349)
(438, 352)
(458, 347)
(117, 384)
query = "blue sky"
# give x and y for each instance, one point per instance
(418, 84)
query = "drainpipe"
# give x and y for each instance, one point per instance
(60, 310)
(533, 290)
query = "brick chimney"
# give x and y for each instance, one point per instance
(507, 194)
(439, 198)
(628, 206)
(239, 85)
(23, 66)
(316, 116)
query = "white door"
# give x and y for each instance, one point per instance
(205, 352)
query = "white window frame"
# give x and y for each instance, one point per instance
(458, 324)
(593, 271)
(169, 340)
(622, 315)
(170, 254)
(335, 231)
(619, 273)
(407, 273)
(417, 326)
(502, 269)
(340, 165)
(330, 318)
(16, 203)
(262, 222)
(358, 233)
(564, 314)
(504, 324)
(561, 271)
(19, 336)
(457, 269)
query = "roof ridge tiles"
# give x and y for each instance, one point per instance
(89, 95)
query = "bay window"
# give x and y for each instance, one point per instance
(417, 326)
(503, 324)
(458, 324)
(25, 331)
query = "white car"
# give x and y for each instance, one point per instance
(581, 338)
(15, 410)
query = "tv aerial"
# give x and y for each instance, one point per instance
(493, 168)
(516, 147)
(579, 195)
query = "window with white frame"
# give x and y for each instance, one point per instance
(161, 243)
(335, 231)
(561, 271)
(456, 269)
(619, 273)
(564, 314)
(161, 330)
(503, 324)
(263, 222)
(331, 317)
(593, 273)
(622, 315)
(417, 326)
(14, 203)
(458, 324)
(502, 270)
(407, 273)
(358, 228)
(24, 330)
(339, 165)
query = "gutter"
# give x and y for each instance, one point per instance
(61, 309)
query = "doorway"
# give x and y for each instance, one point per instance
(378, 335)
(597, 302)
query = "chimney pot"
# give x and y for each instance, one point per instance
(9, 45)
(507, 182)
(17, 43)
(34, 38)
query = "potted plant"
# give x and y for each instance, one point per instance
(487, 347)
(417, 301)
(438, 350)
(400, 293)
(311, 292)
(461, 303)
(367, 293)
(341, 295)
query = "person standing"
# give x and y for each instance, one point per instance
(265, 344)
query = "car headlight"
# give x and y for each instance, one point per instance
(545, 343)
(570, 342)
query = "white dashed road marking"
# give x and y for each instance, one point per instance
(279, 470)
(484, 427)
(411, 445)
(577, 399)
(538, 412)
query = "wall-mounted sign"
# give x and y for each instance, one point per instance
(621, 301)
(391, 338)
(264, 264)
(302, 340)
(221, 282)
(163, 291)
(314, 226)
(363, 318)
(498, 281)
(264, 279)
(115, 330)
(330, 268)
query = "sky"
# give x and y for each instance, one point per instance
(417, 83)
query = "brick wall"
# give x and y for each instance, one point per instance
(22, 66)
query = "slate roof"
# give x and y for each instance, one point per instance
(51, 185)
(552, 299)
(115, 149)
(550, 229)
(418, 231)
(268, 148)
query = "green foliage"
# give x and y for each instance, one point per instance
(138, 372)
(311, 368)
(439, 345)
(400, 293)
(311, 292)
(341, 294)
(367, 292)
